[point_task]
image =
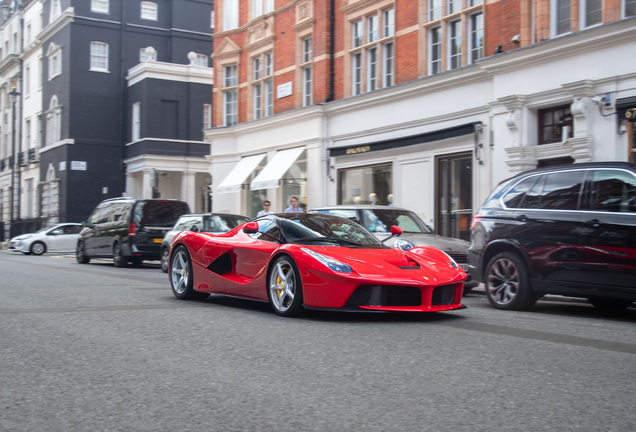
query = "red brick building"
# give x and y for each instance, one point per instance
(397, 91)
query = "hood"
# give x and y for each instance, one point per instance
(393, 264)
(22, 237)
(447, 244)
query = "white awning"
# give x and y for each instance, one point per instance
(242, 170)
(276, 169)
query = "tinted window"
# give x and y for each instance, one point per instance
(561, 191)
(103, 213)
(345, 213)
(270, 230)
(159, 213)
(305, 229)
(516, 195)
(613, 191)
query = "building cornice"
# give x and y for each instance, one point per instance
(8, 62)
(596, 38)
(170, 72)
(68, 141)
(66, 17)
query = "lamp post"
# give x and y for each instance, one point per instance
(14, 96)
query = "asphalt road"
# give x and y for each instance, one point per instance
(96, 348)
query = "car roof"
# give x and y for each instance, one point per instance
(213, 214)
(359, 206)
(578, 166)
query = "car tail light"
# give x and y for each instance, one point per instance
(132, 230)
(475, 221)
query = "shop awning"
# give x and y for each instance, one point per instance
(242, 170)
(275, 170)
(438, 135)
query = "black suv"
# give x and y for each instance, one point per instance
(127, 229)
(567, 230)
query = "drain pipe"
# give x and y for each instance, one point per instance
(332, 45)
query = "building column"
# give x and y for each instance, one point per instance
(146, 188)
(188, 189)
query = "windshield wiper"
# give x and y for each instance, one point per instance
(327, 239)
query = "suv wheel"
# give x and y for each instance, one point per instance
(118, 258)
(508, 283)
(80, 253)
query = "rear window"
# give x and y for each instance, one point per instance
(159, 213)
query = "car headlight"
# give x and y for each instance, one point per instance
(330, 263)
(453, 263)
(403, 244)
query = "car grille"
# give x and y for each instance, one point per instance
(443, 295)
(460, 258)
(386, 295)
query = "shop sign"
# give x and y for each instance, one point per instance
(361, 149)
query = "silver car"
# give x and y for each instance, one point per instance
(58, 238)
(214, 223)
(379, 219)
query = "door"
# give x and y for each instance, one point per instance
(454, 207)
(548, 227)
(63, 239)
(610, 230)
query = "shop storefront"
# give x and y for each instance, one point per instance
(626, 109)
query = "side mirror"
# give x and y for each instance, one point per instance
(194, 228)
(250, 228)
(396, 230)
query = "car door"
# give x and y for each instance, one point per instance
(548, 227)
(63, 239)
(610, 230)
(250, 254)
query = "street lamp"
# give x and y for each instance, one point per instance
(14, 97)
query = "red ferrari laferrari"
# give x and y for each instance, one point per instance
(299, 261)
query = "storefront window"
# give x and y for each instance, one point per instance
(366, 185)
(294, 183)
(255, 198)
(632, 154)
(454, 195)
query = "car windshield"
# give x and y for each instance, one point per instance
(381, 220)
(221, 223)
(326, 229)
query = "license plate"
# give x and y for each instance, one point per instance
(464, 267)
(158, 240)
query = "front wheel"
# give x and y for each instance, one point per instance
(181, 277)
(80, 254)
(38, 248)
(118, 257)
(508, 283)
(285, 290)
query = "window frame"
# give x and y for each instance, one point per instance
(541, 124)
(435, 50)
(97, 57)
(149, 11)
(473, 32)
(454, 41)
(554, 18)
(100, 6)
(136, 121)
(230, 94)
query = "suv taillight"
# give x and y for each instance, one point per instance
(475, 221)
(132, 230)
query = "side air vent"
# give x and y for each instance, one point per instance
(222, 264)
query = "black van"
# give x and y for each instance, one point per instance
(566, 230)
(128, 229)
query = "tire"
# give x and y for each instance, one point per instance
(80, 254)
(165, 257)
(609, 304)
(284, 288)
(118, 258)
(507, 283)
(181, 276)
(37, 248)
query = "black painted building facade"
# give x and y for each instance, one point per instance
(89, 49)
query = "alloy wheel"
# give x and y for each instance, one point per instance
(282, 285)
(503, 281)
(179, 272)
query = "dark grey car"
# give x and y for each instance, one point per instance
(215, 223)
(379, 219)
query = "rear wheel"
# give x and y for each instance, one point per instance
(610, 304)
(285, 288)
(508, 283)
(165, 256)
(38, 248)
(181, 277)
(80, 253)
(118, 258)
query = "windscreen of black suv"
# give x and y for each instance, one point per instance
(159, 213)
